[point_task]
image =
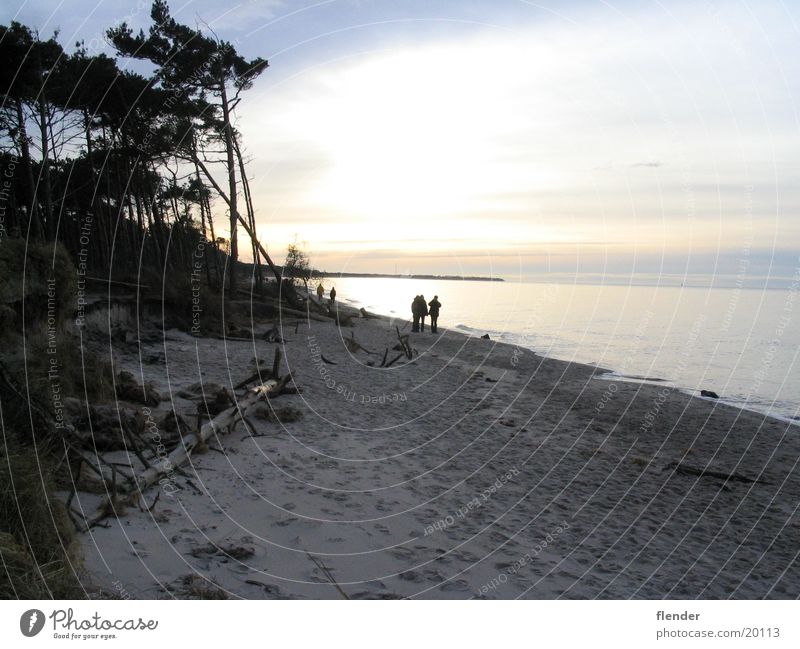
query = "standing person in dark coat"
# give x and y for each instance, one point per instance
(415, 313)
(333, 295)
(434, 305)
(423, 311)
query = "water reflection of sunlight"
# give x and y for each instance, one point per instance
(693, 337)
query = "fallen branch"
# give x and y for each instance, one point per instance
(149, 509)
(129, 492)
(183, 451)
(136, 448)
(404, 344)
(327, 573)
(354, 346)
(253, 377)
(707, 473)
(394, 360)
(260, 375)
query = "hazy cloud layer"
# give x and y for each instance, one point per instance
(498, 127)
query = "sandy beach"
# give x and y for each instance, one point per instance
(475, 470)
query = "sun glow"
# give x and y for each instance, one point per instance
(563, 143)
(420, 135)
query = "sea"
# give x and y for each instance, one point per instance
(741, 343)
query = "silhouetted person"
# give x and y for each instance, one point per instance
(320, 292)
(434, 305)
(415, 312)
(423, 311)
(333, 295)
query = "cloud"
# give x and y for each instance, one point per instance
(497, 122)
(524, 129)
(225, 18)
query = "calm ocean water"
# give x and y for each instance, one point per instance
(741, 343)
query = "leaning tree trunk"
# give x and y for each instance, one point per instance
(251, 216)
(37, 231)
(45, 172)
(291, 295)
(95, 188)
(228, 134)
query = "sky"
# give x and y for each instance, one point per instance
(510, 138)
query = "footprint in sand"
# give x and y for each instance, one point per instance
(411, 575)
(433, 576)
(285, 522)
(240, 568)
(401, 553)
(459, 585)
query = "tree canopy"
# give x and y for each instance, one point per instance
(125, 169)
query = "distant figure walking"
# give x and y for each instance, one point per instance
(320, 292)
(333, 295)
(415, 312)
(434, 306)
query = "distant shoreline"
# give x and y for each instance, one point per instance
(315, 273)
(462, 278)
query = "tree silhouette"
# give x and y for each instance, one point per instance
(194, 66)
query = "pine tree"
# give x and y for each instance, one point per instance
(192, 65)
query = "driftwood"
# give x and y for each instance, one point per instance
(404, 347)
(211, 407)
(273, 336)
(260, 374)
(136, 448)
(686, 469)
(319, 307)
(104, 472)
(404, 344)
(250, 379)
(394, 360)
(129, 492)
(191, 441)
(327, 573)
(224, 421)
(354, 346)
(128, 389)
(342, 321)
